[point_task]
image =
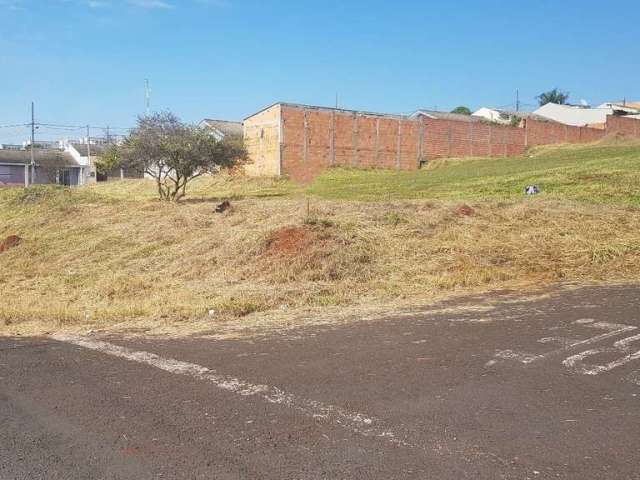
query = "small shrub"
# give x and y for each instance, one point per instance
(322, 222)
(240, 306)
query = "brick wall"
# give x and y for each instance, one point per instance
(626, 126)
(313, 139)
(452, 138)
(545, 133)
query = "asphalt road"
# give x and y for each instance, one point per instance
(528, 389)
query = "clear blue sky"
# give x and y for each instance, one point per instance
(85, 61)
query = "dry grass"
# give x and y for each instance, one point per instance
(111, 256)
(100, 257)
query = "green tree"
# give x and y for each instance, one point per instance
(173, 153)
(462, 110)
(108, 160)
(553, 96)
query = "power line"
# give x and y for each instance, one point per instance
(82, 127)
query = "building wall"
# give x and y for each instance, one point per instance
(12, 175)
(262, 141)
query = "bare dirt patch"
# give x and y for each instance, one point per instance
(465, 211)
(290, 241)
(10, 242)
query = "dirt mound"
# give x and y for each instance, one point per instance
(465, 211)
(10, 242)
(290, 240)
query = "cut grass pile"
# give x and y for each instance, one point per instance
(111, 254)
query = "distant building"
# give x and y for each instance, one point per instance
(59, 162)
(222, 128)
(577, 116)
(52, 165)
(10, 146)
(623, 106)
(435, 114)
(505, 117)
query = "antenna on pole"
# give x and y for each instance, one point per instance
(517, 100)
(147, 97)
(336, 100)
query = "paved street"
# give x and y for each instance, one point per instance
(531, 389)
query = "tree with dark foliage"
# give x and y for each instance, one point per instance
(462, 110)
(553, 96)
(173, 153)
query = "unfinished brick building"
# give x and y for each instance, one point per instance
(301, 141)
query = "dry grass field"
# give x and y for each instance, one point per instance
(112, 256)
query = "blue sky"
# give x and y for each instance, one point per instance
(85, 61)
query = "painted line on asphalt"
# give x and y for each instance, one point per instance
(611, 329)
(621, 346)
(356, 422)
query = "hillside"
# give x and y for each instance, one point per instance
(353, 241)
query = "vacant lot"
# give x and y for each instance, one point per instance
(353, 240)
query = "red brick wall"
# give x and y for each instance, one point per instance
(315, 139)
(626, 126)
(545, 133)
(452, 138)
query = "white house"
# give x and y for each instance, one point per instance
(493, 115)
(85, 156)
(577, 116)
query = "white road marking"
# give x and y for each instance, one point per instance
(521, 357)
(354, 421)
(576, 362)
(612, 330)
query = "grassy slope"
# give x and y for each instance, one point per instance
(112, 253)
(604, 173)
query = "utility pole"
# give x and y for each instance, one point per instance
(336, 100)
(33, 136)
(88, 151)
(108, 138)
(147, 97)
(517, 100)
